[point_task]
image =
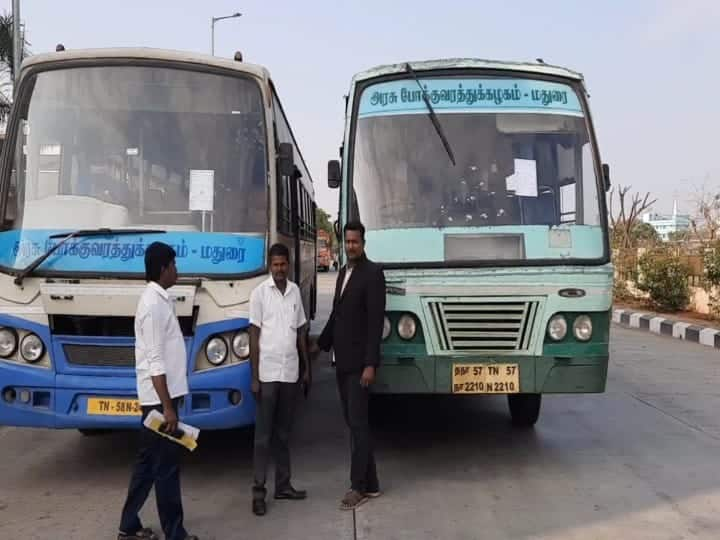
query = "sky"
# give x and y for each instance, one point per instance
(651, 66)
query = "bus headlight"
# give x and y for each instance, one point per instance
(32, 348)
(216, 351)
(8, 342)
(557, 328)
(386, 328)
(241, 344)
(407, 327)
(582, 328)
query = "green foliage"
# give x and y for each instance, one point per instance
(621, 293)
(7, 61)
(644, 234)
(322, 221)
(664, 276)
(711, 262)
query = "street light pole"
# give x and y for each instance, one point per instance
(17, 39)
(213, 20)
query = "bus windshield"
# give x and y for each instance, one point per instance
(524, 163)
(141, 147)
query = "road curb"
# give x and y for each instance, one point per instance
(649, 322)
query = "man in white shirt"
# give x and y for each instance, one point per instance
(161, 371)
(277, 332)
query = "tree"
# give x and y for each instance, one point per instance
(705, 224)
(322, 220)
(626, 220)
(679, 236)
(644, 234)
(7, 62)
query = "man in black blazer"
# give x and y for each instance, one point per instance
(354, 332)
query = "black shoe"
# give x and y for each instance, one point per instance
(259, 507)
(143, 534)
(291, 494)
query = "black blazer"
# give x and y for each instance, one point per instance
(354, 329)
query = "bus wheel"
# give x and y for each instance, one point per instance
(93, 432)
(524, 409)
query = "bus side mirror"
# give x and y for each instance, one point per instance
(334, 174)
(286, 160)
(606, 176)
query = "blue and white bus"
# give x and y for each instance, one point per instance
(106, 152)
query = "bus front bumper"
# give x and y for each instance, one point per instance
(537, 374)
(217, 400)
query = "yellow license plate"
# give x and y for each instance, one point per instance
(486, 379)
(114, 406)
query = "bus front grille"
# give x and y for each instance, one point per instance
(100, 355)
(483, 326)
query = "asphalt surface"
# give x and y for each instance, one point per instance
(639, 462)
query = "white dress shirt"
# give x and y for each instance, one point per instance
(278, 316)
(159, 346)
(348, 273)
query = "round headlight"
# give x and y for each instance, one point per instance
(216, 351)
(8, 342)
(32, 348)
(241, 344)
(386, 328)
(582, 328)
(557, 328)
(407, 327)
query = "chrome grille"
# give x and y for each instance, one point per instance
(484, 326)
(98, 355)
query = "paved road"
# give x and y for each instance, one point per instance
(638, 462)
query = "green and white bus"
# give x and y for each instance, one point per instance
(482, 190)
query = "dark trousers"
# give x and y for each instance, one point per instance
(354, 399)
(158, 464)
(273, 425)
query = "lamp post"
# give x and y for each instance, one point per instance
(212, 29)
(17, 40)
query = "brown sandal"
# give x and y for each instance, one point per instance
(352, 500)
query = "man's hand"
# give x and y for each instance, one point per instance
(255, 387)
(368, 376)
(171, 419)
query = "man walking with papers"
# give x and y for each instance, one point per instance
(277, 333)
(160, 366)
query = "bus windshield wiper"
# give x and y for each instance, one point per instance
(83, 233)
(431, 113)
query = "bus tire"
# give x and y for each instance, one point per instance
(524, 409)
(93, 432)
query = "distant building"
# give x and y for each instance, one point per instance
(666, 225)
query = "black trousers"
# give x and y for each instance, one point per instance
(158, 464)
(273, 425)
(354, 399)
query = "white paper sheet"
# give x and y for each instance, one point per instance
(202, 190)
(524, 181)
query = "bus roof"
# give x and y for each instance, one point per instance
(476, 63)
(145, 53)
